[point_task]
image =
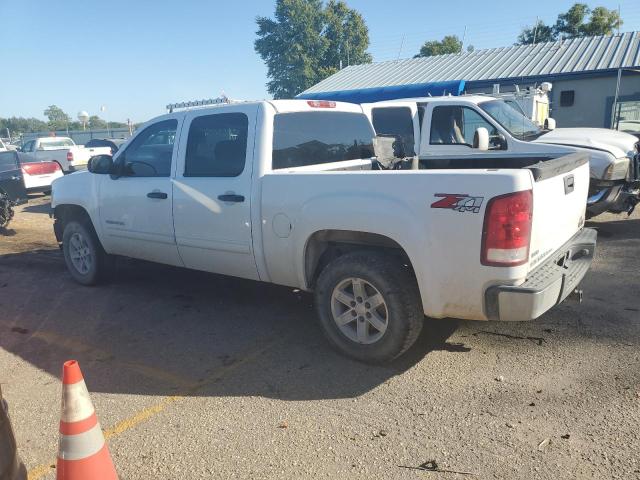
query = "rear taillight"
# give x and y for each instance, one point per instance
(41, 168)
(69, 156)
(506, 234)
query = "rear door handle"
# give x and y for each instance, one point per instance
(231, 197)
(160, 195)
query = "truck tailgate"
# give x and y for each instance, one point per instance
(559, 199)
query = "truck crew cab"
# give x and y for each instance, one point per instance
(293, 192)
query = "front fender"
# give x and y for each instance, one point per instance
(79, 189)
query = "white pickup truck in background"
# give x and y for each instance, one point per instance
(63, 151)
(289, 192)
(441, 131)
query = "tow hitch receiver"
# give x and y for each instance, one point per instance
(576, 295)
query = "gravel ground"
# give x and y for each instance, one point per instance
(199, 376)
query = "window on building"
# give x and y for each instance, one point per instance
(313, 138)
(217, 145)
(567, 97)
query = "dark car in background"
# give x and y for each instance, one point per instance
(12, 189)
(113, 143)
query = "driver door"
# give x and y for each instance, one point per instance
(135, 206)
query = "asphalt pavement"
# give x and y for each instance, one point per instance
(196, 375)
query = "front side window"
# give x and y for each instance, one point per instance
(28, 147)
(456, 125)
(398, 122)
(217, 145)
(150, 153)
(313, 138)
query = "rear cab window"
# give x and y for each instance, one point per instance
(397, 122)
(56, 143)
(314, 138)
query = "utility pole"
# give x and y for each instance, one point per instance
(401, 45)
(464, 36)
(535, 31)
(619, 21)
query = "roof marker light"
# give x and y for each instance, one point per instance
(321, 104)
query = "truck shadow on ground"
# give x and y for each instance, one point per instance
(44, 208)
(157, 330)
(624, 229)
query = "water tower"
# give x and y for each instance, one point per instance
(84, 118)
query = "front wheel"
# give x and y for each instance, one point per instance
(86, 260)
(369, 306)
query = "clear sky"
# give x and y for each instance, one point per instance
(135, 56)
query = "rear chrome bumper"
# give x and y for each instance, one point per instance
(547, 285)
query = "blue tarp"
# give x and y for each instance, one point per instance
(377, 94)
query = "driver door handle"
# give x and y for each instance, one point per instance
(160, 195)
(231, 197)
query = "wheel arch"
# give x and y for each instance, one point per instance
(324, 246)
(65, 212)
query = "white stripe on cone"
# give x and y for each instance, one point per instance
(76, 403)
(82, 445)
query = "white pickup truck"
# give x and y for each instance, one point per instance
(64, 151)
(441, 131)
(289, 192)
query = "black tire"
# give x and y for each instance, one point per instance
(100, 264)
(46, 192)
(397, 285)
(6, 210)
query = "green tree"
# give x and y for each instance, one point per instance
(306, 42)
(538, 33)
(569, 24)
(578, 21)
(96, 122)
(291, 46)
(602, 22)
(347, 36)
(449, 44)
(58, 120)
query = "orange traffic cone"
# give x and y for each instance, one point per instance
(83, 453)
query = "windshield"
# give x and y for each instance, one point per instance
(515, 122)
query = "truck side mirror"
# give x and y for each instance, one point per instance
(550, 124)
(100, 164)
(481, 139)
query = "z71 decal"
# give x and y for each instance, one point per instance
(460, 202)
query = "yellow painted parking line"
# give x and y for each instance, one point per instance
(147, 413)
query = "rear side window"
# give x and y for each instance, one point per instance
(8, 161)
(217, 145)
(395, 121)
(313, 138)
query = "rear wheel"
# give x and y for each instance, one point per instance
(369, 306)
(86, 260)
